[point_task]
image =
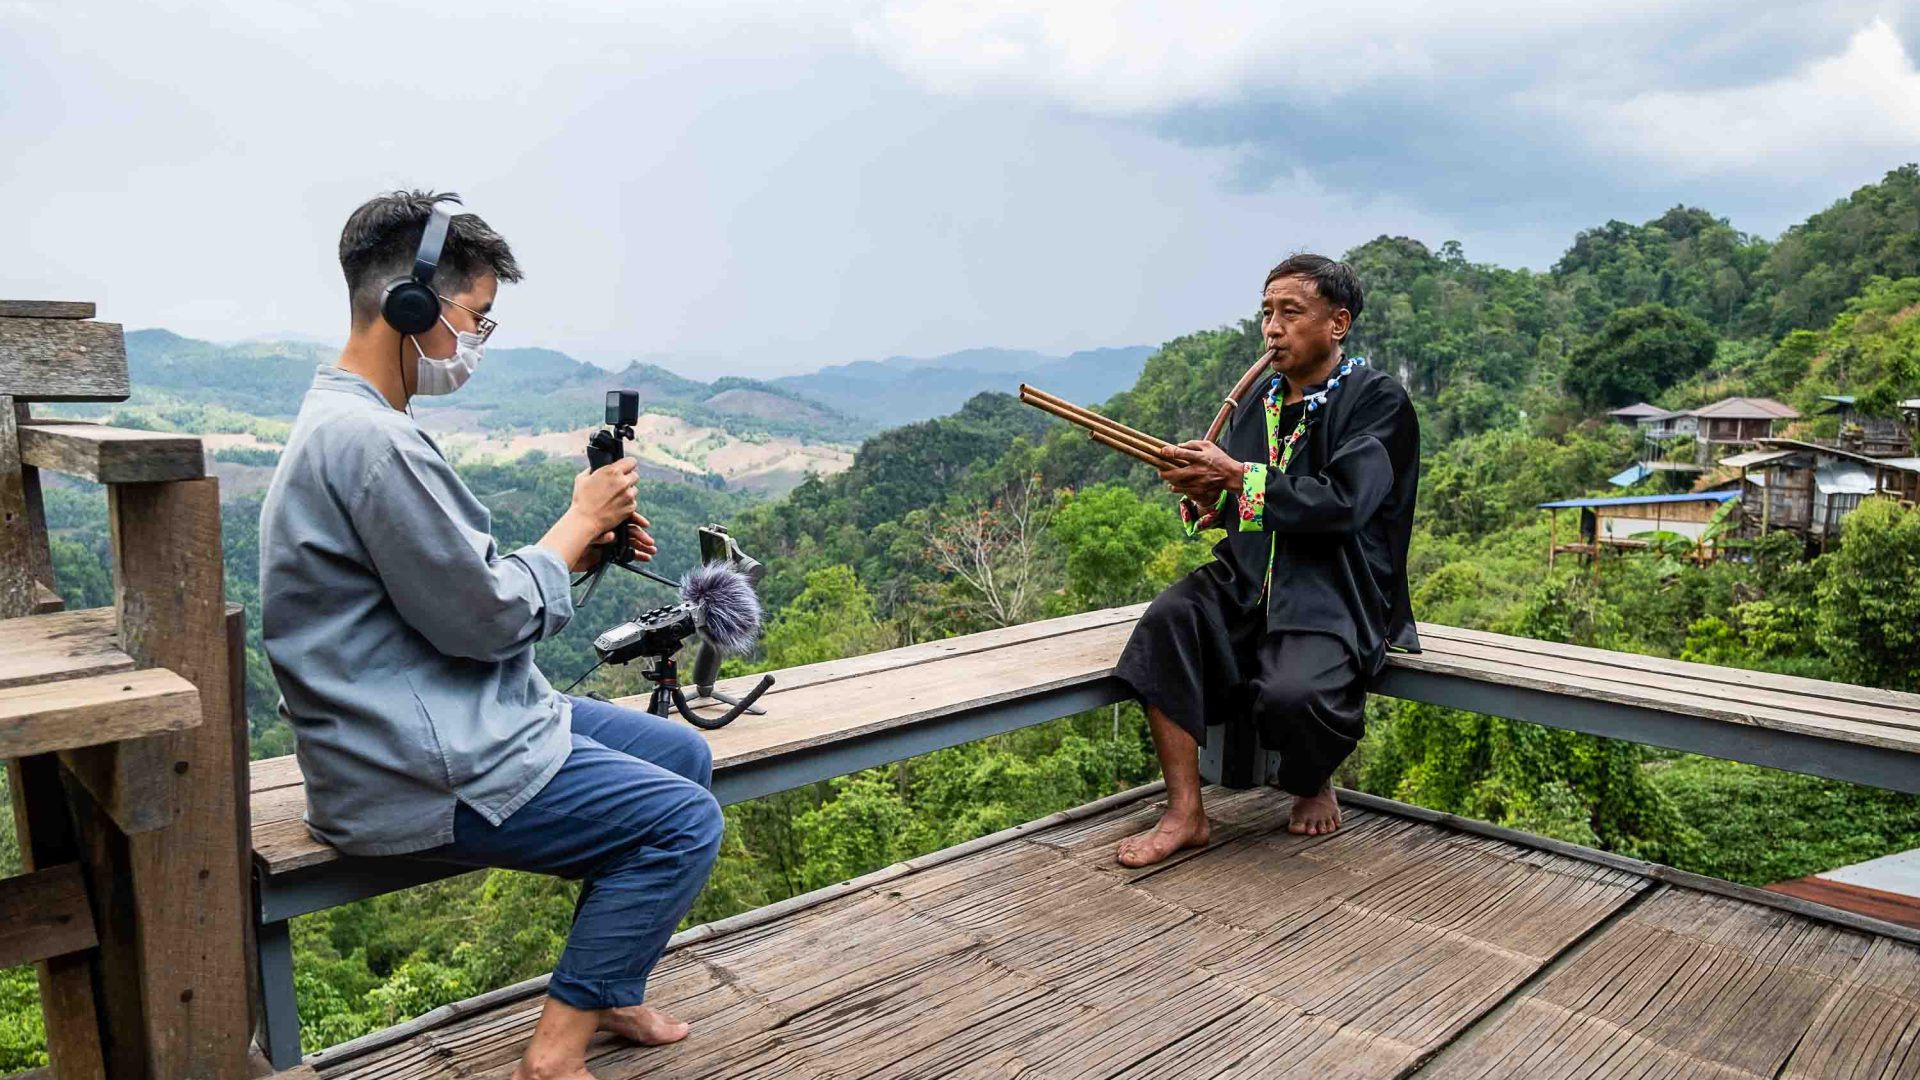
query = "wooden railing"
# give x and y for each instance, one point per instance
(125, 742)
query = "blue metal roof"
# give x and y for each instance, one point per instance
(1630, 475)
(1641, 500)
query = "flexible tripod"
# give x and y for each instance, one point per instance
(668, 696)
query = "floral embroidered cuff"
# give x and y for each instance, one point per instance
(1253, 497)
(1197, 520)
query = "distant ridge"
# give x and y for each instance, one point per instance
(904, 389)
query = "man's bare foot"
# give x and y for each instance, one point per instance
(528, 1069)
(1315, 814)
(643, 1024)
(1175, 832)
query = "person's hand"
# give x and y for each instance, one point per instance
(639, 541)
(1199, 470)
(604, 497)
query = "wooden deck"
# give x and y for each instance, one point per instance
(1403, 945)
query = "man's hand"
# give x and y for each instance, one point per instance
(603, 498)
(1200, 471)
(639, 540)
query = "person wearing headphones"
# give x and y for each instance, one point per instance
(402, 641)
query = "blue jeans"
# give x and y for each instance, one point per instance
(630, 816)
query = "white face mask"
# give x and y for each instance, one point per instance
(444, 376)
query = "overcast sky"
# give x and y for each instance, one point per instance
(764, 187)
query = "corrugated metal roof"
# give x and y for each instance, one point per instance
(1630, 475)
(1896, 873)
(1842, 478)
(1746, 408)
(1641, 500)
(1904, 464)
(1751, 458)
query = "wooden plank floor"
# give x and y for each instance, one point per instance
(1393, 948)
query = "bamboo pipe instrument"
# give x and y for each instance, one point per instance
(1138, 455)
(1144, 440)
(1091, 421)
(1102, 435)
(1238, 395)
(1107, 437)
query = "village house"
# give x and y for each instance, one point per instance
(1810, 488)
(1634, 413)
(1690, 441)
(1638, 522)
(1880, 435)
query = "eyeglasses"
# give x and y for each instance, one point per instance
(482, 325)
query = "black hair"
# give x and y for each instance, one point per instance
(1336, 282)
(380, 238)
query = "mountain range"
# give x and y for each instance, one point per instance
(903, 389)
(538, 390)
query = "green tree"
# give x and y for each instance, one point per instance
(1639, 352)
(1869, 592)
(831, 618)
(1110, 535)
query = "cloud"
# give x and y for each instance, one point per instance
(1861, 102)
(1513, 104)
(783, 183)
(1142, 56)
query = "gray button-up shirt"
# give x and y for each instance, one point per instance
(402, 640)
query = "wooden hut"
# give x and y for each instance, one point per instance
(1634, 521)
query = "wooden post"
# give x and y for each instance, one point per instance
(173, 901)
(16, 526)
(41, 553)
(42, 822)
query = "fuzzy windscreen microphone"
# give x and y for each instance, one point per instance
(725, 610)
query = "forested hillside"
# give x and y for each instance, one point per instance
(996, 515)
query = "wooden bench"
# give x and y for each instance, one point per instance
(830, 719)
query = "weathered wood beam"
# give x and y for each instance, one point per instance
(44, 914)
(173, 902)
(46, 309)
(44, 825)
(62, 360)
(108, 455)
(46, 598)
(67, 645)
(17, 595)
(87, 712)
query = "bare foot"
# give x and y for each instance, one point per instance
(643, 1024)
(1175, 832)
(529, 1070)
(1315, 814)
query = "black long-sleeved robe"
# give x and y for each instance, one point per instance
(1213, 650)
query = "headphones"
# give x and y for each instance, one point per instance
(409, 304)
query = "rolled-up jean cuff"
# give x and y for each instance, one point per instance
(589, 994)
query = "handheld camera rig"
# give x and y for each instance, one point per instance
(716, 605)
(717, 601)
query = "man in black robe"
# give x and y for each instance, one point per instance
(1293, 618)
